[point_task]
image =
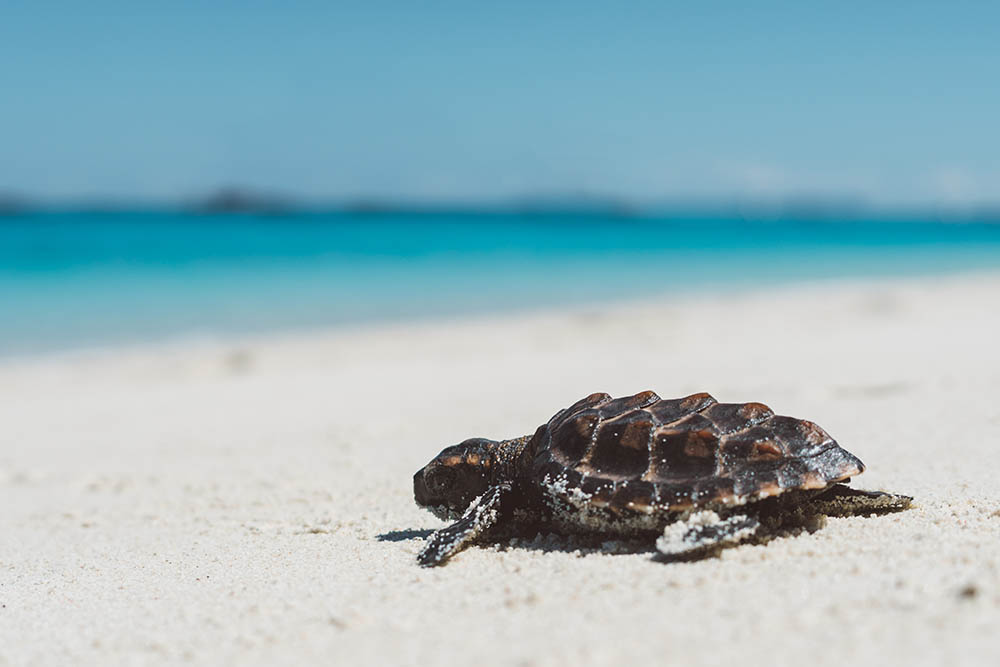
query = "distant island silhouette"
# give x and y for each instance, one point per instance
(245, 200)
(12, 204)
(242, 200)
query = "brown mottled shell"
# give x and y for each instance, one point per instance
(644, 453)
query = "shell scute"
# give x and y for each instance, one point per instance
(756, 444)
(635, 495)
(573, 437)
(834, 462)
(592, 401)
(800, 437)
(598, 490)
(674, 495)
(792, 475)
(713, 489)
(618, 406)
(679, 453)
(667, 411)
(733, 417)
(621, 447)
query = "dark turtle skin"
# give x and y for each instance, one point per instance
(701, 474)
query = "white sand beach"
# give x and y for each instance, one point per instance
(250, 501)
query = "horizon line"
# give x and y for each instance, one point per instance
(249, 201)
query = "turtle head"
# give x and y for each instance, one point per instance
(455, 477)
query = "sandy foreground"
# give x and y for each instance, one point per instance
(250, 501)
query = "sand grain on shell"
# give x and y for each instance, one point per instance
(164, 505)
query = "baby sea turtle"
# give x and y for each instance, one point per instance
(701, 474)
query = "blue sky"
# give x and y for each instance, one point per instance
(894, 103)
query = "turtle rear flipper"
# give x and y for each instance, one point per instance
(841, 500)
(483, 514)
(704, 533)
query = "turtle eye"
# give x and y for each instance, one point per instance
(440, 480)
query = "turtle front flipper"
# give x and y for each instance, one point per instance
(841, 500)
(482, 515)
(703, 533)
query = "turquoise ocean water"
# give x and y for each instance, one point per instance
(72, 280)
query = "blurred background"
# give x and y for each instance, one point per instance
(197, 169)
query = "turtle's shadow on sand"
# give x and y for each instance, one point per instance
(582, 545)
(404, 535)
